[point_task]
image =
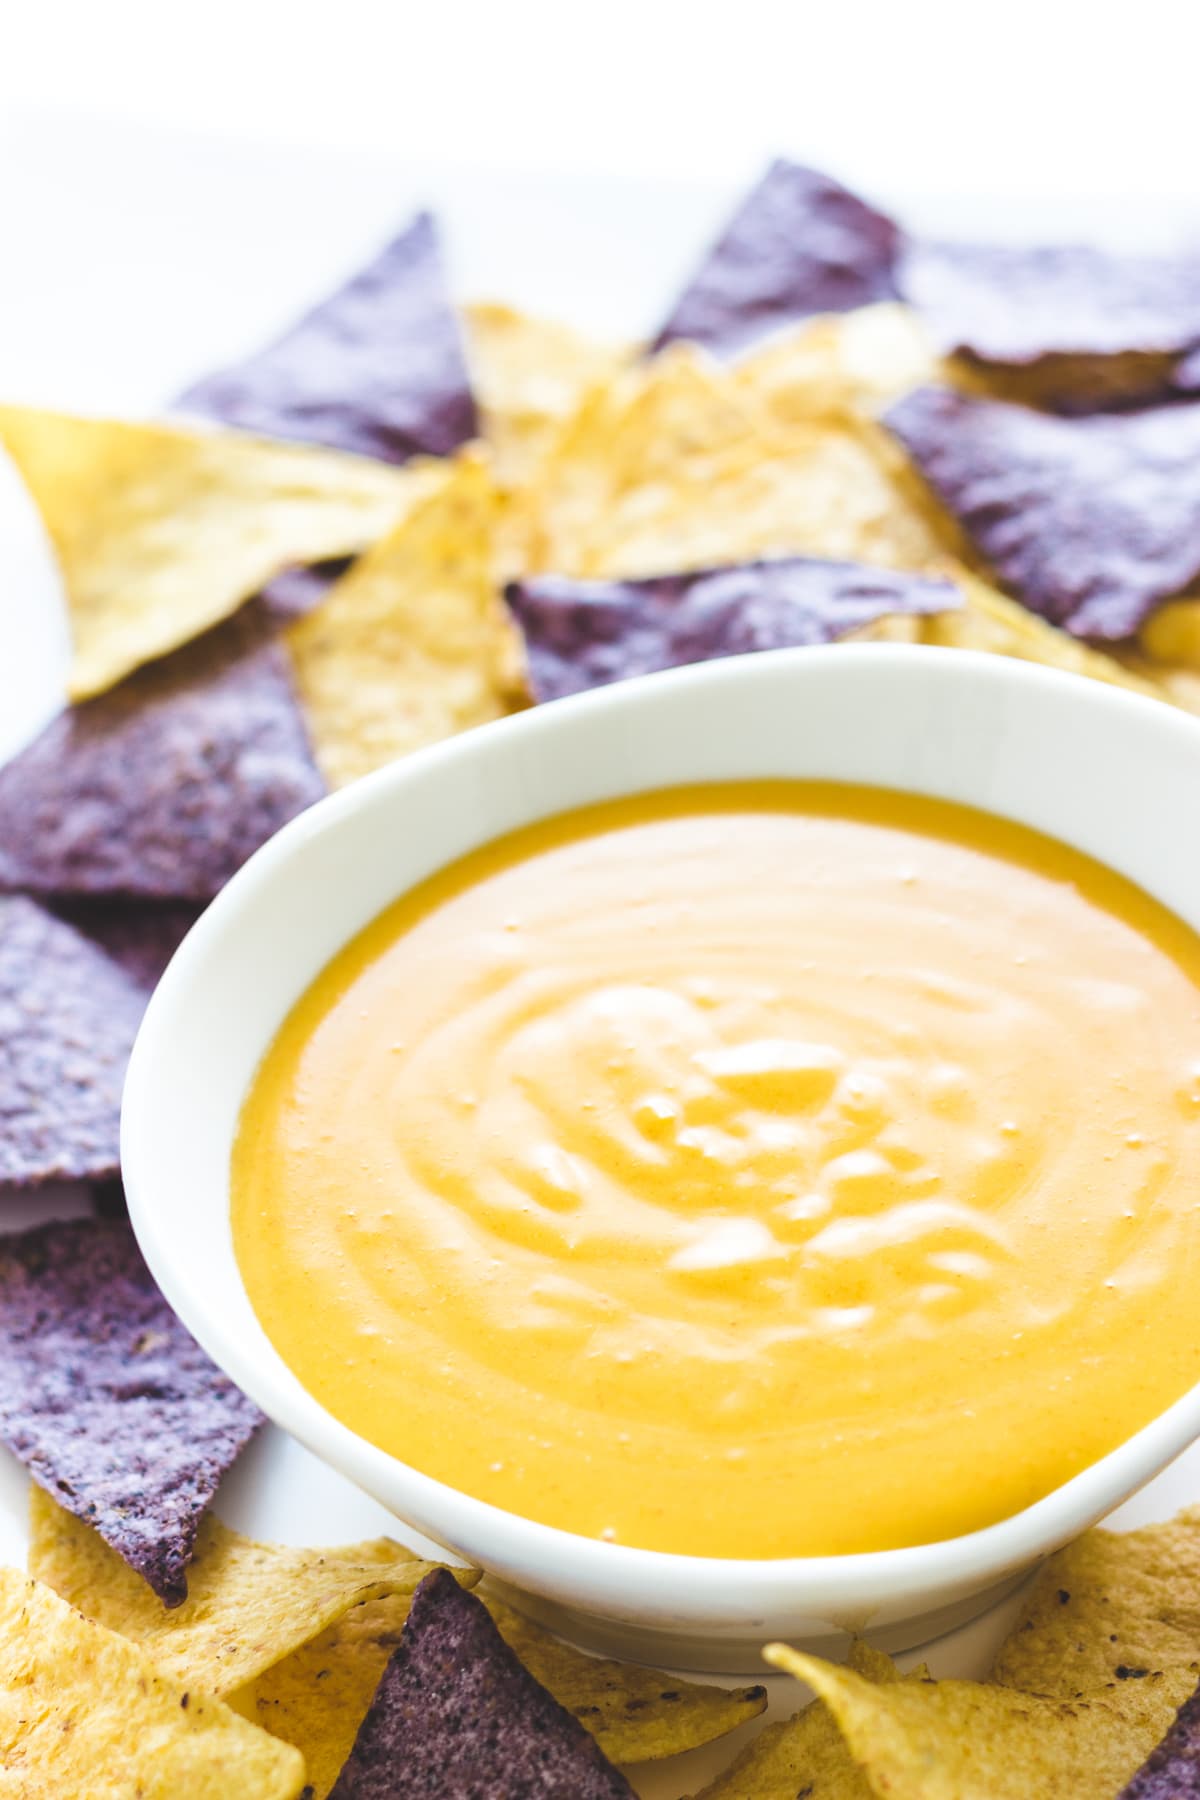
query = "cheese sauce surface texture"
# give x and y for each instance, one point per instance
(747, 1170)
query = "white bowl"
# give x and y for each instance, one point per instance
(1113, 774)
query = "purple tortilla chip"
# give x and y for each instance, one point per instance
(377, 368)
(68, 1017)
(107, 1400)
(799, 244)
(166, 784)
(1172, 1770)
(583, 634)
(1022, 307)
(457, 1716)
(1091, 522)
(140, 935)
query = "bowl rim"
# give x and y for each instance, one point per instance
(692, 1588)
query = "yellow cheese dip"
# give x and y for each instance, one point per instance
(745, 1170)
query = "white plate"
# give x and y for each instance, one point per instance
(133, 261)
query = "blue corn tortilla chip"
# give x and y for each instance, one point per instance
(141, 936)
(107, 1400)
(583, 634)
(1085, 327)
(377, 368)
(457, 1716)
(68, 1017)
(1091, 522)
(164, 785)
(1172, 1770)
(800, 243)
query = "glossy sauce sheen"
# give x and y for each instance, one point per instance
(747, 1170)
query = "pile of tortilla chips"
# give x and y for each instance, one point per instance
(396, 522)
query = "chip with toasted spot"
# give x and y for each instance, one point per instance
(85, 1712)
(965, 1740)
(414, 643)
(112, 1406)
(799, 243)
(248, 1605)
(161, 532)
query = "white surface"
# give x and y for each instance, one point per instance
(135, 257)
(1090, 764)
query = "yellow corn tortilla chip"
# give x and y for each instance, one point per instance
(161, 531)
(414, 643)
(249, 1605)
(806, 1754)
(1109, 1608)
(1172, 634)
(962, 1740)
(529, 375)
(84, 1712)
(839, 362)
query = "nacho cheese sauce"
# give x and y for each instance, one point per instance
(748, 1170)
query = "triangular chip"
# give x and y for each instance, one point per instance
(1112, 1607)
(414, 643)
(806, 1754)
(530, 375)
(844, 361)
(161, 532)
(111, 1405)
(799, 243)
(167, 783)
(140, 936)
(69, 1016)
(456, 1715)
(962, 1740)
(377, 367)
(1065, 324)
(248, 1605)
(1172, 1769)
(1090, 522)
(83, 1712)
(582, 634)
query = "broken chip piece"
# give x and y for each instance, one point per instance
(582, 634)
(69, 1019)
(1069, 325)
(161, 532)
(965, 1740)
(799, 243)
(377, 368)
(1091, 522)
(248, 1605)
(84, 1712)
(164, 785)
(456, 1714)
(1172, 1769)
(105, 1397)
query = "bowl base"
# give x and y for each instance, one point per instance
(697, 1653)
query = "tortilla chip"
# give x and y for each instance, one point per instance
(377, 368)
(248, 1605)
(167, 783)
(83, 1712)
(1111, 1607)
(1172, 1769)
(843, 362)
(140, 936)
(161, 532)
(1090, 522)
(961, 1740)
(635, 1714)
(113, 1408)
(583, 634)
(530, 375)
(799, 244)
(414, 644)
(456, 1714)
(805, 1754)
(68, 1017)
(1067, 325)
